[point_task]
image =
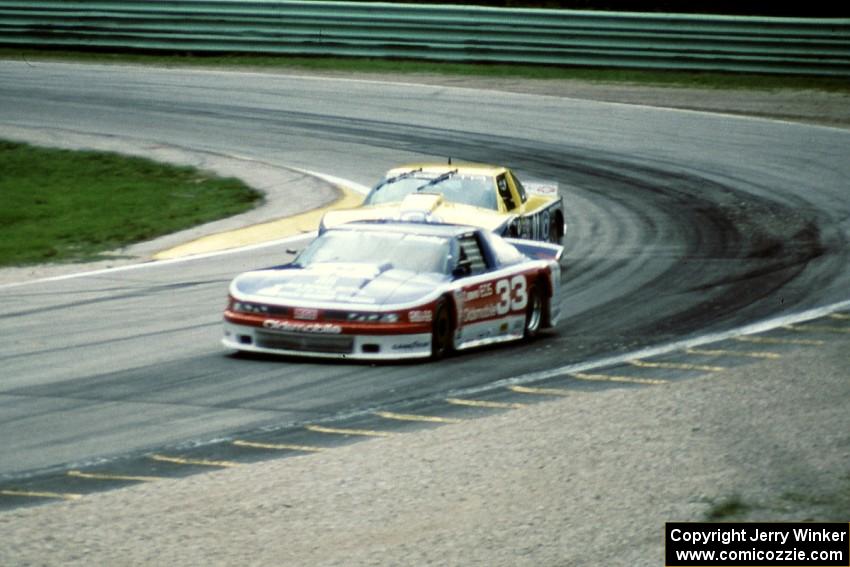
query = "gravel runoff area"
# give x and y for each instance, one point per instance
(588, 479)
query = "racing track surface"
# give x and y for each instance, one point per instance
(681, 223)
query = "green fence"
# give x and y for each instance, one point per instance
(436, 32)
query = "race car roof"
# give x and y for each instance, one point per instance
(463, 168)
(412, 227)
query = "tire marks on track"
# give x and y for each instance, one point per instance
(661, 371)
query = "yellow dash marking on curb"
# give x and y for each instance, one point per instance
(675, 366)
(539, 391)
(626, 379)
(485, 404)
(818, 329)
(199, 462)
(279, 446)
(28, 494)
(840, 316)
(340, 431)
(416, 417)
(733, 353)
(777, 341)
(263, 232)
(102, 476)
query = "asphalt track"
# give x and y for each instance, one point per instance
(681, 224)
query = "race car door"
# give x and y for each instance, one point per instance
(492, 301)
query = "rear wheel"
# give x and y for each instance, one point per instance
(442, 331)
(534, 312)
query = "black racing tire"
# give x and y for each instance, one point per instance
(442, 331)
(556, 229)
(534, 313)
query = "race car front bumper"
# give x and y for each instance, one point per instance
(326, 345)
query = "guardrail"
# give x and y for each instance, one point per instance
(435, 32)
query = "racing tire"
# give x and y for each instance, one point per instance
(556, 227)
(534, 312)
(442, 331)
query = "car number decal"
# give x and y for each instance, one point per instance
(513, 295)
(489, 300)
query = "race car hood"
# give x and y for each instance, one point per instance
(424, 205)
(336, 283)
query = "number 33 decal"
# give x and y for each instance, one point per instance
(513, 295)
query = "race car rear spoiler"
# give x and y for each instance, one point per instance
(537, 250)
(545, 188)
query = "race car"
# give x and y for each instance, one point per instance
(396, 290)
(481, 195)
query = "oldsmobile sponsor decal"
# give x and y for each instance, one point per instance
(479, 313)
(297, 327)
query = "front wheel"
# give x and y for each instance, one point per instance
(534, 312)
(442, 331)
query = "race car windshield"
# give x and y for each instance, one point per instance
(411, 252)
(475, 190)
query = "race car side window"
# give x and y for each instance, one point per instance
(505, 192)
(470, 250)
(523, 196)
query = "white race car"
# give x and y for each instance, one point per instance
(396, 290)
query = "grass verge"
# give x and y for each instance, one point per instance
(814, 504)
(62, 205)
(709, 80)
(727, 509)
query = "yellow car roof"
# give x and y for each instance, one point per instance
(468, 168)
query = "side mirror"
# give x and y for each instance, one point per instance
(463, 269)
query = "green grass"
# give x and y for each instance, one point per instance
(727, 508)
(815, 502)
(408, 67)
(61, 205)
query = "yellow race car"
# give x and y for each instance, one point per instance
(479, 195)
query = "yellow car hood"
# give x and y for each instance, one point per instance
(420, 206)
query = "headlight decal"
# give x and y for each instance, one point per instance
(239, 306)
(371, 317)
